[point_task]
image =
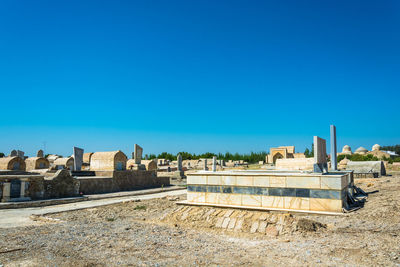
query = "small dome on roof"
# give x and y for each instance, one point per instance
(346, 148)
(376, 147)
(361, 150)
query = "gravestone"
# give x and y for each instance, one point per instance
(179, 174)
(78, 158)
(179, 159)
(138, 154)
(13, 153)
(214, 164)
(40, 154)
(320, 162)
(205, 165)
(15, 190)
(21, 154)
(146, 157)
(333, 148)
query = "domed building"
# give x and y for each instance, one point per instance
(346, 150)
(380, 154)
(361, 150)
(376, 147)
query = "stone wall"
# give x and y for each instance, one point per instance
(61, 184)
(121, 181)
(275, 191)
(304, 164)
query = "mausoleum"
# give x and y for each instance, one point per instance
(12, 163)
(35, 163)
(108, 161)
(64, 163)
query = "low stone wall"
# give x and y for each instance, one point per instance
(363, 167)
(295, 164)
(269, 190)
(61, 185)
(121, 181)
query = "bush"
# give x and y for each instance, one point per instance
(138, 207)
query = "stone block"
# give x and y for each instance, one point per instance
(366, 167)
(214, 180)
(196, 197)
(229, 199)
(303, 182)
(262, 227)
(196, 179)
(297, 203)
(336, 183)
(239, 224)
(225, 222)
(331, 205)
(251, 200)
(262, 181)
(232, 223)
(228, 180)
(244, 180)
(212, 198)
(254, 227)
(273, 202)
(276, 181)
(219, 222)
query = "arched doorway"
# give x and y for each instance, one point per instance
(277, 156)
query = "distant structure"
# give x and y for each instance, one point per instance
(361, 150)
(346, 150)
(282, 152)
(375, 151)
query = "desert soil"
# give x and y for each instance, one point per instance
(147, 233)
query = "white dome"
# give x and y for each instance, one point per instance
(376, 147)
(346, 148)
(361, 150)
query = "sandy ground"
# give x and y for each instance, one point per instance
(139, 233)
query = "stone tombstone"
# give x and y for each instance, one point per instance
(78, 158)
(138, 154)
(179, 160)
(20, 154)
(205, 165)
(146, 157)
(320, 162)
(214, 164)
(13, 153)
(333, 148)
(40, 154)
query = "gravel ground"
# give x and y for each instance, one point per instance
(133, 234)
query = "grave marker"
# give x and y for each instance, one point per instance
(78, 158)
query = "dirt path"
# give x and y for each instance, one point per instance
(21, 217)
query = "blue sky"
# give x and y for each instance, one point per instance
(197, 76)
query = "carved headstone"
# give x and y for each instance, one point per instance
(78, 158)
(138, 154)
(333, 148)
(214, 164)
(179, 159)
(13, 153)
(205, 165)
(40, 154)
(320, 163)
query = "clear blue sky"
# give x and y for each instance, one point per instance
(197, 76)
